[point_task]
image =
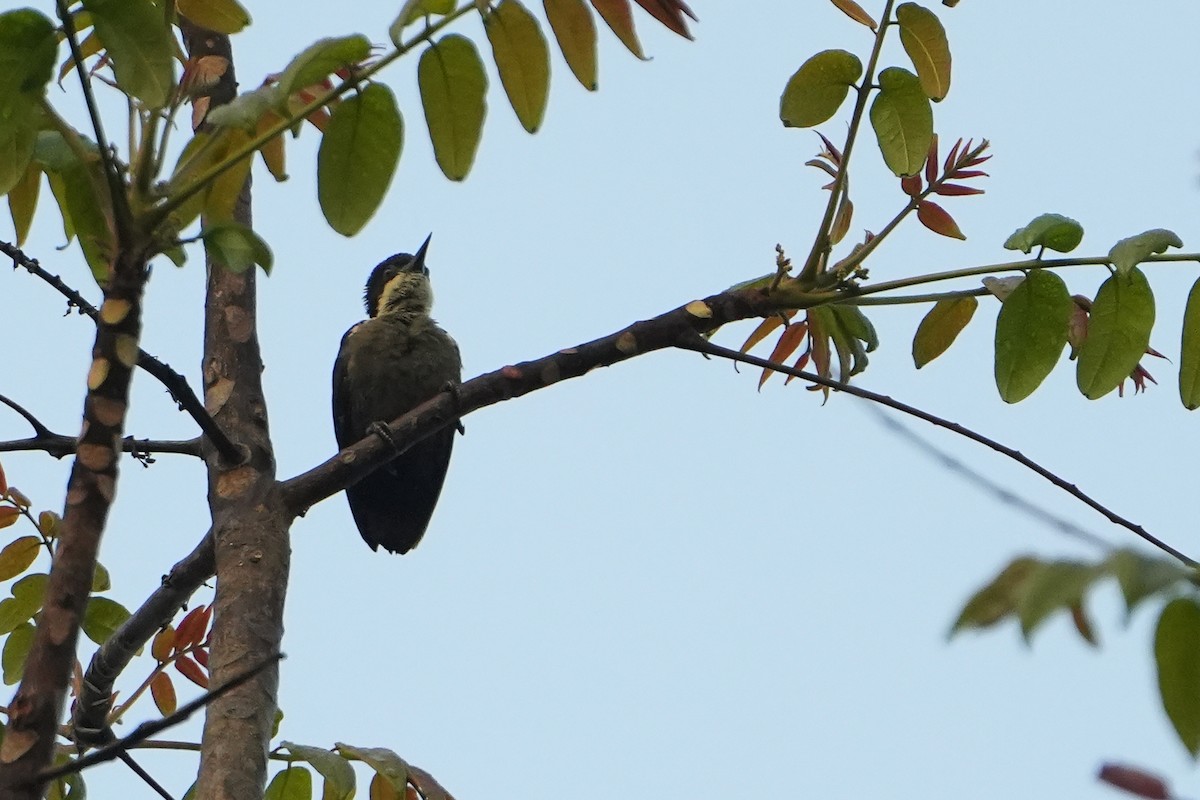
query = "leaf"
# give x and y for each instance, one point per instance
(22, 199)
(26, 600)
(841, 220)
(221, 197)
(453, 92)
(320, 59)
(49, 523)
(1141, 576)
(420, 10)
(1118, 333)
(618, 15)
(998, 599)
(523, 60)
(1135, 781)
(18, 555)
(189, 669)
(856, 12)
(102, 617)
(1177, 655)
(272, 152)
(293, 783)
(9, 516)
(236, 247)
(380, 759)
(1128, 253)
(358, 157)
(1054, 586)
(670, 13)
(163, 692)
(382, 789)
(162, 644)
(817, 90)
(139, 44)
(190, 630)
(28, 50)
(941, 327)
(938, 220)
(16, 649)
(1053, 231)
(338, 774)
(101, 581)
(1031, 331)
(222, 16)
(575, 31)
(1189, 351)
(903, 121)
(789, 341)
(924, 40)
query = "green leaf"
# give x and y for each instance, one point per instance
(575, 31)
(523, 60)
(422, 9)
(383, 761)
(618, 15)
(1141, 576)
(1053, 586)
(998, 599)
(18, 555)
(26, 600)
(293, 783)
(222, 16)
(245, 110)
(453, 92)
(338, 774)
(320, 59)
(1053, 231)
(102, 617)
(1177, 654)
(903, 121)
(140, 45)
(16, 648)
(22, 200)
(924, 40)
(1128, 253)
(817, 90)
(101, 582)
(1118, 333)
(28, 50)
(1189, 352)
(236, 247)
(1031, 332)
(358, 156)
(941, 327)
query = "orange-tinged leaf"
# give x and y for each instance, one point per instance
(9, 515)
(164, 640)
(841, 221)
(670, 13)
(1083, 625)
(856, 12)
(192, 671)
(941, 327)
(911, 184)
(523, 60)
(575, 31)
(956, 190)
(201, 656)
(382, 789)
(18, 555)
(272, 152)
(764, 330)
(931, 160)
(190, 629)
(936, 218)
(618, 15)
(789, 341)
(49, 523)
(163, 692)
(3, 482)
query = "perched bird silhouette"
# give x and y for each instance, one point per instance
(388, 365)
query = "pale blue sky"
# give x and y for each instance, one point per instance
(655, 581)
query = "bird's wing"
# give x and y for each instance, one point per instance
(343, 429)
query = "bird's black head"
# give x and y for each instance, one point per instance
(388, 270)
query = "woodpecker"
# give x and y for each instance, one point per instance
(388, 365)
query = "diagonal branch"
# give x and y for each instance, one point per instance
(701, 345)
(175, 383)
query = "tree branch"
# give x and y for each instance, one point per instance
(701, 345)
(175, 383)
(59, 445)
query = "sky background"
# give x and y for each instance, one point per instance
(656, 581)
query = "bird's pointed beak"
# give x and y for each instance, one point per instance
(419, 258)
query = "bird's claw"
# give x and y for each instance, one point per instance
(456, 398)
(381, 430)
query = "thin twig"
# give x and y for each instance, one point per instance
(175, 383)
(697, 343)
(148, 729)
(38, 428)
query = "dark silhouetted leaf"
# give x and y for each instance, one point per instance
(1177, 655)
(671, 14)
(453, 90)
(903, 121)
(1053, 231)
(1118, 333)
(1031, 332)
(924, 40)
(941, 327)
(817, 90)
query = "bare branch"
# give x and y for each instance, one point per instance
(701, 345)
(175, 383)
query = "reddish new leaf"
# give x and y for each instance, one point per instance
(3, 482)
(163, 692)
(956, 190)
(911, 184)
(1135, 781)
(936, 218)
(191, 629)
(764, 329)
(932, 160)
(856, 12)
(788, 343)
(951, 157)
(670, 13)
(192, 671)
(618, 15)
(201, 656)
